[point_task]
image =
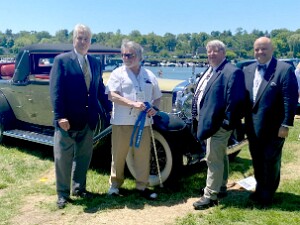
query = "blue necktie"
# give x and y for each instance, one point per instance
(262, 67)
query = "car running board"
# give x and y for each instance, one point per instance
(30, 136)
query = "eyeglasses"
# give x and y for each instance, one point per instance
(128, 55)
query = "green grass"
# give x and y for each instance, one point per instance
(23, 168)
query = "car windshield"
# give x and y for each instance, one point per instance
(42, 63)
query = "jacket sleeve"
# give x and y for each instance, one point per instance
(290, 97)
(56, 88)
(235, 99)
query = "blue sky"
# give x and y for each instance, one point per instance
(158, 16)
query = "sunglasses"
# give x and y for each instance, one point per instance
(129, 55)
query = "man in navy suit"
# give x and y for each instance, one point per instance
(271, 101)
(75, 87)
(217, 110)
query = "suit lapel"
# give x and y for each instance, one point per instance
(75, 62)
(215, 75)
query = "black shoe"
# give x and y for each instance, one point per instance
(221, 194)
(83, 194)
(148, 194)
(62, 202)
(204, 203)
(263, 203)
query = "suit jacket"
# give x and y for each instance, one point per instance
(276, 100)
(222, 101)
(69, 95)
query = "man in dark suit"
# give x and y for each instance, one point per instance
(217, 110)
(271, 101)
(75, 87)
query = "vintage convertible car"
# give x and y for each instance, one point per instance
(26, 112)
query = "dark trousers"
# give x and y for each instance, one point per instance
(72, 156)
(266, 159)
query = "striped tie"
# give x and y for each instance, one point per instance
(197, 94)
(86, 73)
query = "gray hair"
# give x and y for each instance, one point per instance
(80, 27)
(217, 44)
(137, 48)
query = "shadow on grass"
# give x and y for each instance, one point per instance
(240, 199)
(43, 152)
(190, 180)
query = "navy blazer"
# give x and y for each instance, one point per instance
(222, 101)
(276, 100)
(69, 95)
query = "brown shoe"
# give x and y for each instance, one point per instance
(222, 194)
(204, 203)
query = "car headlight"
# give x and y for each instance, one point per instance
(187, 105)
(183, 105)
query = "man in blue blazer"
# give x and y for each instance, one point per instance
(75, 87)
(271, 101)
(217, 109)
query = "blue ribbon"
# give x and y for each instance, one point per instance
(140, 122)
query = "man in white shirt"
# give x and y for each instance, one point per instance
(130, 87)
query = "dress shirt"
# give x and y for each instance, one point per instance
(258, 77)
(199, 92)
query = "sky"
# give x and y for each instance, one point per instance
(147, 16)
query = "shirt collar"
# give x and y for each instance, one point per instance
(80, 57)
(217, 67)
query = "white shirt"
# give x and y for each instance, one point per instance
(128, 85)
(202, 85)
(258, 77)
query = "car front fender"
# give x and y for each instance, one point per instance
(168, 122)
(7, 116)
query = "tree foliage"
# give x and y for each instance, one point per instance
(184, 45)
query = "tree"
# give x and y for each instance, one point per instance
(62, 36)
(42, 35)
(170, 41)
(294, 44)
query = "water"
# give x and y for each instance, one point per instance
(181, 73)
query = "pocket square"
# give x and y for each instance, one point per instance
(273, 84)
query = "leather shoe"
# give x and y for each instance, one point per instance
(221, 194)
(204, 203)
(83, 194)
(62, 202)
(260, 201)
(148, 194)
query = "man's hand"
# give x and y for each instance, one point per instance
(151, 112)
(283, 132)
(64, 124)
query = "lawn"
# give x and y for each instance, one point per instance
(27, 192)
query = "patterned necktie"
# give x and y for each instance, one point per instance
(196, 96)
(86, 73)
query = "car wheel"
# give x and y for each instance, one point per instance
(166, 158)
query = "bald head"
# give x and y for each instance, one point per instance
(263, 49)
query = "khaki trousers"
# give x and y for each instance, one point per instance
(121, 135)
(217, 163)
